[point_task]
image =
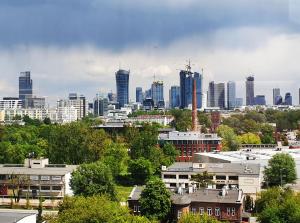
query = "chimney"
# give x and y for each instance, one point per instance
(194, 108)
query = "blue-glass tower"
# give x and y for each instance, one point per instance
(122, 80)
(25, 85)
(288, 99)
(139, 95)
(174, 97)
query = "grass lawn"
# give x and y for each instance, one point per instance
(123, 192)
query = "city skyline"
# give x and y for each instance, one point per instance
(262, 39)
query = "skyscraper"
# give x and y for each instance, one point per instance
(122, 81)
(276, 92)
(25, 85)
(139, 95)
(260, 100)
(100, 105)
(299, 96)
(231, 95)
(250, 90)
(157, 92)
(216, 95)
(288, 99)
(174, 96)
(186, 87)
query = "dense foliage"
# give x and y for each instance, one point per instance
(155, 200)
(277, 205)
(281, 170)
(197, 218)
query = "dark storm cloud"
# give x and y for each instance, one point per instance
(117, 24)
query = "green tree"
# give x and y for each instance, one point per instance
(155, 200)
(278, 205)
(93, 179)
(94, 209)
(141, 170)
(47, 121)
(182, 119)
(249, 138)
(229, 138)
(203, 179)
(267, 132)
(197, 218)
(249, 204)
(281, 170)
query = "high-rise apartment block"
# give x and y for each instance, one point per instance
(276, 93)
(250, 90)
(139, 95)
(174, 97)
(231, 95)
(122, 81)
(25, 85)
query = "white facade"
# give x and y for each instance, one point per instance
(10, 104)
(10, 114)
(66, 114)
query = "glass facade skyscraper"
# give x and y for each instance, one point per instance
(157, 92)
(276, 93)
(186, 88)
(231, 95)
(250, 90)
(25, 86)
(288, 99)
(216, 95)
(122, 81)
(174, 97)
(139, 95)
(260, 100)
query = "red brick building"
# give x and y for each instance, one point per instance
(189, 143)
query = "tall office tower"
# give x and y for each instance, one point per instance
(278, 100)
(198, 78)
(276, 92)
(122, 81)
(157, 92)
(25, 85)
(288, 99)
(174, 96)
(238, 102)
(250, 90)
(231, 95)
(186, 87)
(139, 95)
(260, 100)
(216, 95)
(148, 93)
(100, 105)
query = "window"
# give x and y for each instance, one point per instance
(139, 209)
(233, 211)
(168, 176)
(45, 187)
(220, 177)
(56, 187)
(228, 211)
(172, 184)
(179, 213)
(201, 210)
(34, 188)
(217, 212)
(209, 211)
(135, 208)
(183, 177)
(233, 178)
(193, 210)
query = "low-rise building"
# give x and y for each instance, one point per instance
(190, 143)
(160, 119)
(233, 175)
(225, 205)
(35, 178)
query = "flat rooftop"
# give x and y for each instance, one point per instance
(175, 135)
(12, 217)
(234, 168)
(36, 171)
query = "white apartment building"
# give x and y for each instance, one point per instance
(244, 177)
(66, 114)
(10, 104)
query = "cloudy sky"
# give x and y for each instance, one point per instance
(77, 45)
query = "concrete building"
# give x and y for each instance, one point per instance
(250, 90)
(66, 113)
(10, 103)
(189, 143)
(233, 175)
(35, 102)
(36, 178)
(160, 119)
(100, 105)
